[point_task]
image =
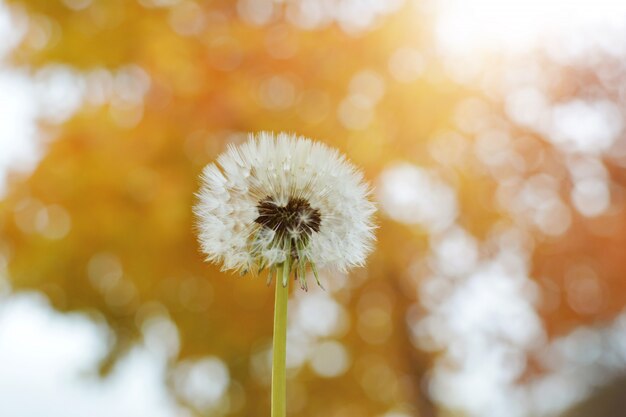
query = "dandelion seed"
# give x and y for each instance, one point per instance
(282, 200)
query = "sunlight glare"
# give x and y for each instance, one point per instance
(482, 26)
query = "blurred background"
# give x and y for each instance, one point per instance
(492, 130)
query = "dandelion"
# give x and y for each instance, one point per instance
(287, 201)
(284, 203)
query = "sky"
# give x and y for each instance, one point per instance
(50, 356)
(17, 108)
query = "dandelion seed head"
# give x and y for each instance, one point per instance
(280, 197)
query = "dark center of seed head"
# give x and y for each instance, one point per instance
(296, 217)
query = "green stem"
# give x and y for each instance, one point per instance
(279, 382)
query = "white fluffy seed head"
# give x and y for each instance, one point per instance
(280, 197)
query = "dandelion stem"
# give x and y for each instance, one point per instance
(279, 383)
